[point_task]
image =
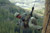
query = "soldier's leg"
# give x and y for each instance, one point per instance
(24, 30)
(27, 30)
(17, 29)
(35, 31)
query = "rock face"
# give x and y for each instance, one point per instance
(46, 24)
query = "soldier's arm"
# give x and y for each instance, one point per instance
(30, 15)
(32, 11)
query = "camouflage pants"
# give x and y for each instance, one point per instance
(27, 30)
(17, 29)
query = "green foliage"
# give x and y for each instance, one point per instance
(7, 19)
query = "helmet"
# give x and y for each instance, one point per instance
(16, 14)
(32, 18)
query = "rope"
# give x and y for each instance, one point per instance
(47, 24)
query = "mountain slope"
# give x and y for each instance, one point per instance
(8, 8)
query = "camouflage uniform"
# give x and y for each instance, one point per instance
(33, 25)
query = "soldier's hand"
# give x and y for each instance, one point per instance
(32, 8)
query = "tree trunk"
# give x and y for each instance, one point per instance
(46, 24)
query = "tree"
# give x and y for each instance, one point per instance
(46, 24)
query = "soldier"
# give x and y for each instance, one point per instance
(22, 23)
(17, 29)
(25, 20)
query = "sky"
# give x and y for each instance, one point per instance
(28, 4)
